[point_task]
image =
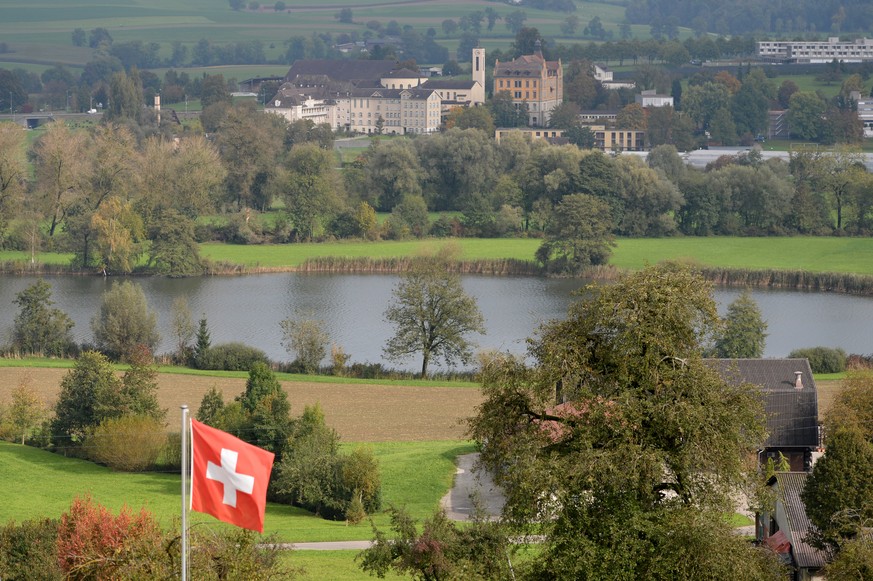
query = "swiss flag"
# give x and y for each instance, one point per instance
(229, 477)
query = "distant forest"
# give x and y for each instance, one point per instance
(749, 16)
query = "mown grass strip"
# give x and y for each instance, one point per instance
(38, 362)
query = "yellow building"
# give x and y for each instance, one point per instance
(618, 139)
(530, 133)
(534, 84)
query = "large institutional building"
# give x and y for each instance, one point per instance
(805, 51)
(534, 84)
(367, 96)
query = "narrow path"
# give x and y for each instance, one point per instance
(472, 487)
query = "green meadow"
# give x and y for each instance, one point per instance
(38, 32)
(811, 254)
(41, 484)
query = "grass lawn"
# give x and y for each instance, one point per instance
(39, 483)
(812, 254)
(277, 256)
(333, 565)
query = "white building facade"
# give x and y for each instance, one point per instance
(805, 51)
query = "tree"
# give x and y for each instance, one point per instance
(213, 89)
(202, 342)
(619, 444)
(79, 37)
(183, 328)
(744, 334)
(174, 251)
(409, 218)
(124, 321)
(27, 410)
(125, 97)
(118, 232)
(39, 328)
(345, 16)
(13, 173)
(139, 387)
(310, 187)
(838, 495)
(307, 339)
(441, 551)
(250, 144)
(431, 314)
(578, 234)
(392, 171)
(89, 394)
(505, 113)
(60, 173)
(631, 117)
(515, 21)
(805, 112)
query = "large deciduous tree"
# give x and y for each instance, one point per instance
(13, 172)
(619, 444)
(310, 187)
(432, 314)
(578, 234)
(839, 493)
(124, 321)
(60, 172)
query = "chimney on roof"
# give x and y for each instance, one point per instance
(798, 380)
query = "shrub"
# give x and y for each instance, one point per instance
(170, 457)
(93, 543)
(230, 357)
(822, 359)
(129, 443)
(29, 550)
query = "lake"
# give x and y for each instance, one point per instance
(249, 308)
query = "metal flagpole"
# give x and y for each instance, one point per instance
(184, 493)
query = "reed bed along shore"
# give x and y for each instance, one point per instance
(846, 283)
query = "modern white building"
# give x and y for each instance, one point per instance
(651, 98)
(807, 51)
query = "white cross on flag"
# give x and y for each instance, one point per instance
(229, 477)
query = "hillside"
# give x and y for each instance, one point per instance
(39, 33)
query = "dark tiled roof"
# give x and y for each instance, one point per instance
(417, 93)
(525, 66)
(792, 414)
(341, 69)
(402, 74)
(789, 485)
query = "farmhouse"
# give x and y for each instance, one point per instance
(784, 529)
(790, 402)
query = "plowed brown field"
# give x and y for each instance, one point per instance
(359, 413)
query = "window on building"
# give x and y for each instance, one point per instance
(518, 94)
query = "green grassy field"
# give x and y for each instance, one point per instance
(39, 32)
(812, 254)
(39, 483)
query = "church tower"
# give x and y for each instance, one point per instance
(479, 65)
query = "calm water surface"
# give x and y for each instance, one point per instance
(248, 309)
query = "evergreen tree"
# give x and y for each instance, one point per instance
(744, 334)
(39, 328)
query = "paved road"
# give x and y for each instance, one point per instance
(472, 486)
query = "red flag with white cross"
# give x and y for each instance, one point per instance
(229, 477)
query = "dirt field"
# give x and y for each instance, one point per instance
(360, 413)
